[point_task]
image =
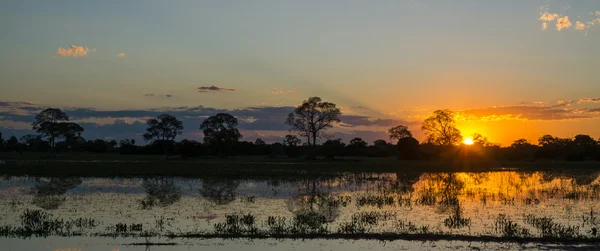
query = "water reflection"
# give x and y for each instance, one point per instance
(219, 191)
(49, 193)
(315, 199)
(160, 191)
(464, 203)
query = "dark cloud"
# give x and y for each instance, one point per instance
(359, 120)
(158, 95)
(213, 88)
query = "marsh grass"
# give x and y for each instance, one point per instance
(505, 227)
(548, 228)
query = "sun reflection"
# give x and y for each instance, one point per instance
(468, 141)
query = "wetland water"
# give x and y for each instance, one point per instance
(434, 211)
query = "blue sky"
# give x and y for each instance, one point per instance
(394, 59)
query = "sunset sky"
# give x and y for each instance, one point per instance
(511, 69)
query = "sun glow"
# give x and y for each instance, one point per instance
(468, 141)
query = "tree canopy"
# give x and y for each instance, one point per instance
(440, 129)
(220, 132)
(312, 117)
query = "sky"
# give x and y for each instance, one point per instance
(510, 69)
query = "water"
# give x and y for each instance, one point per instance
(505, 204)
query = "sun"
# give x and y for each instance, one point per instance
(468, 141)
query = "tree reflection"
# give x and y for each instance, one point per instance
(160, 191)
(314, 201)
(49, 192)
(219, 191)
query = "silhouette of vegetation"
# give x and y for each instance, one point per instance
(440, 129)
(399, 132)
(221, 133)
(312, 118)
(163, 130)
(53, 124)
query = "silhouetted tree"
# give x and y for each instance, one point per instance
(399, 132)
(34, 142)
(164, 129)
(12, 143)
(521, 149)
(220, 132)
(331, 148)
(312, 117)
(291, 143)
(357, 147)
(52, 124)
(408, 148)
(440, 129)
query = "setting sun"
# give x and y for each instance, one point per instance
(468, 141)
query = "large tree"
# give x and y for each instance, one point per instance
(399, 132)
(47, 124)
(220, 132)
(312, 117)
(163, 130)
(440, 129)
(53, 123)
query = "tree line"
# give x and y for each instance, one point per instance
(309, 123)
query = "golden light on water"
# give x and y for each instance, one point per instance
(468, 141)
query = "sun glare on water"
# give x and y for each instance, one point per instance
(468, 141)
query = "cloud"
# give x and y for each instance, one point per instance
(213, 88)
(359, 120)
(579, 25)
(524, 113)
(122, 54)
(73, 51)
(158, 95)
(548, 16)
(282, 91)
(589, 100)
(544, 26)
(597, 13)
(563, 23)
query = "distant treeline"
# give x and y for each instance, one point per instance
(308, 123)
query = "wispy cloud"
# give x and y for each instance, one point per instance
(563, 23)
(544, 26)
(282, 91)
(589, 100)
(122, 54)
(213, 88)
(74, 51)
(158, 95)
(579, 25)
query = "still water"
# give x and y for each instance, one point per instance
(110, 214)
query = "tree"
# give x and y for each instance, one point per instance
(408, 148)
(47, 123)
(334, 147)
(399, 132)
(358, 143)
(11, 143)
(312, 117)
(220, 132)
(379, 142)
(163, 130)
(440, 129)
(291, 143)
